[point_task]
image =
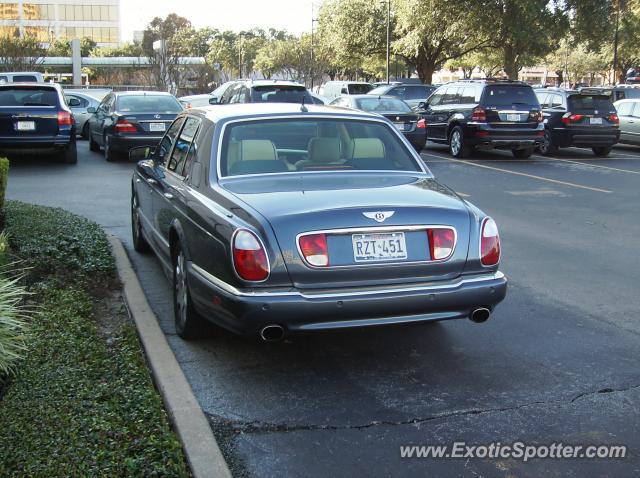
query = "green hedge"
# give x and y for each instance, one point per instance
(4, 174)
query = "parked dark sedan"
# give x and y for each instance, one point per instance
(397, 111)
(279, 218)
(35, 118)
(132, 118)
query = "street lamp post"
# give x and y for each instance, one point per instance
(615, 43)
(388, 35)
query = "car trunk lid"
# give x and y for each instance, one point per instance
(341, 207)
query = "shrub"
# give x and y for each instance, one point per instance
(54, 241)
(4, 174)
(12, 324)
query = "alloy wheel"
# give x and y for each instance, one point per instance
(181, 291)
(456, 143)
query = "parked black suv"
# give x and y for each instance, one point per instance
(484, 114)
(265, 91)
(585, 118)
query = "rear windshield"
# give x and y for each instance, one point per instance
(383, 105)
(290, 145)
(509, 95)
(148, 104)
(280, 94)
(26, 78)
(28, 96)
(379, 90)
(589, 103)
(359, 88)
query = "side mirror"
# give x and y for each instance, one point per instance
(73, 102)
(422, 105)
(140, 153)
(213, 100)
(91, 109)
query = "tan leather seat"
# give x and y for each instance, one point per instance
(322, 152)
(367, 148)
(257, 150)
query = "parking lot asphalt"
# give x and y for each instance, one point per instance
(557, 362)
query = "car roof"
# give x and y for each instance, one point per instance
(31, 84)
(142, 93)
(272, 82)
(368, 97)
(192, 97)
(217, 113)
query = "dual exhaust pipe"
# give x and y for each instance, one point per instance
(275, 332)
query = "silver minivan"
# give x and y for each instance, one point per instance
(629, 115)
(333, 89)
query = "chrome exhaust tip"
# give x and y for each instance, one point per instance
(481, 314)
(272, 333)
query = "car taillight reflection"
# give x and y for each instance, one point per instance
(249, 257)
(489, 243)
(314, 249)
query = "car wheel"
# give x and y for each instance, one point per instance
(457, 146)
(108, 154)
(93, 146)
(601, 151)
(188, 323)
(522, 153)
(85, 130)
(70, 154)
(140, 244)
(547, 148)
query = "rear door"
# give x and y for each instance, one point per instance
(27, 110)
(510, 105)
(436, 121)
(627, 121)
(634, 123)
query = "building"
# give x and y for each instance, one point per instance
(63, 19)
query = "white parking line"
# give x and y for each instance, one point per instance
(589, 165)
(532, 176)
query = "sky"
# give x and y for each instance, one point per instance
(291, 15)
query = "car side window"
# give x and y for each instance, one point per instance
(636, 109)
(624, 109)
(542, 99)
(452, 96)
(556, 101)
(415, 93)
(436, 97)
(183, 146)
(226, 97)
(164, 148)
(83, 103)
(468, 95)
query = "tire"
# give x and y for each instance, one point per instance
(140, 244)
(547, 148)
(85, 130)
(70, 154)
(457, 146)
(189, 324)
(522, 153)
(93, 146)
(108, 154)
(601, 151)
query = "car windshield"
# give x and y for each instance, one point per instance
(508, 95)
(28, 96)
(280, 94)
(359, 88)
(383, 105)
(312, 144)
(589, 103)
(25, 78)
(379, 90)
(148, 104)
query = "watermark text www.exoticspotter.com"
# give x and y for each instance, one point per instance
(517, 451)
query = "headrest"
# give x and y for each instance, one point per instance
(324, 150)
(257, 150)
(367, 148)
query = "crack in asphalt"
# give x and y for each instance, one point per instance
(263, 427)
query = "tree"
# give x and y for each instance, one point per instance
(576, 61)
(523, 30)
(63, 47)
(20, 54)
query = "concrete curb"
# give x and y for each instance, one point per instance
(200, 446)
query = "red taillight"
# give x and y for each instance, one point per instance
(65, 118)
(422, 124)
(441, 243)
(489, 243)
(478, 114)
(614, 118)
(314, 249)
(123, 126)
(249, 257)
(569, 118)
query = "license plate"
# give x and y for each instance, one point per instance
(513, 117)
(595, 120)
(26, 126)
(379, 247)
(401, 126)
(156, 126)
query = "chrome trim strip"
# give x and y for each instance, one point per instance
(331, 295)
(374, 229)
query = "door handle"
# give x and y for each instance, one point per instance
(138, 180)
(630, 121)
(152, 181)
(168, 195)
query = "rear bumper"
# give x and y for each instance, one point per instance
(585, 137)
(485, 136)
(122, 144)
(418, 139)
(9, 144)
(247, 311)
